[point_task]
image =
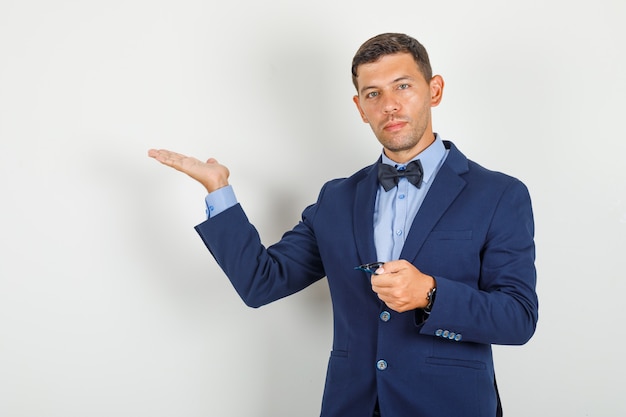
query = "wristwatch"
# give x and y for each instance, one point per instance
(431, 300)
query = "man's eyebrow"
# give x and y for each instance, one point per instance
(397, 80)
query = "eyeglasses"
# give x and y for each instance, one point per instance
(370, 268)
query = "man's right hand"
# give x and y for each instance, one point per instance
(210, 174)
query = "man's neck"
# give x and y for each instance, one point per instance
(405, 156)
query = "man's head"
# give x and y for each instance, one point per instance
(387, 44)
(395, 93)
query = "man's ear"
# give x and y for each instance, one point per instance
(358, 106)
(436, 90)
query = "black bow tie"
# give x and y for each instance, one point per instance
(388, 176)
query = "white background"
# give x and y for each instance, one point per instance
(111, 306)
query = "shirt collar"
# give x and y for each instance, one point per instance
(430, 158)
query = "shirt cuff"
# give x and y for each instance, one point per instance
(219, 200)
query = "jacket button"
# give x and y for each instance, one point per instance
(381, 365)
(439, 332)
(458, 337)
(385, 316)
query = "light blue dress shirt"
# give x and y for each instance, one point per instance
(394, 210)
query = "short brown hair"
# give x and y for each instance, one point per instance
(388, 44)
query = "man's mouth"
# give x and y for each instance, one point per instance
(395, 125)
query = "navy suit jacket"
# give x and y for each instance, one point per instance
(473, 233)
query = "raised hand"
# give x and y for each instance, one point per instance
(211, 174)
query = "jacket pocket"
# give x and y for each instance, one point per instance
(338, 373)
(459, 363)
(450, 235)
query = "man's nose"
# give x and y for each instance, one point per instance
(391, 105)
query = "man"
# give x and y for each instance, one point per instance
(412, 335)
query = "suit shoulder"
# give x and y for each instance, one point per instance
(349, 182)
(474, 172)
(477, 172)
(476, 169)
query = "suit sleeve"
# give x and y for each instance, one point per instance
(261, 275)
(503, 307)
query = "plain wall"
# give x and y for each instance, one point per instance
(111, 305)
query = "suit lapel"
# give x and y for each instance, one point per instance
(363, 216)
(446, 187)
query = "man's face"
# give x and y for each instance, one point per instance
(395, 99)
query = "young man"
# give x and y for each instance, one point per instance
(412, 335)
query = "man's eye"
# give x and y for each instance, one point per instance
(403, 86)
(372, 94)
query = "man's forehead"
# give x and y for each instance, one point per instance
(387, 70)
